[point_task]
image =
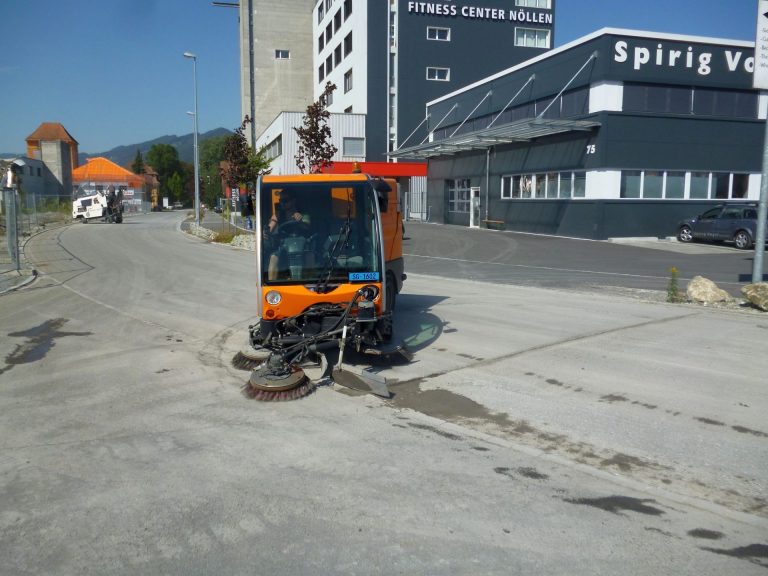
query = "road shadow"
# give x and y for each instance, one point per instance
(415, 324)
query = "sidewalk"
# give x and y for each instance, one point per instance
(10, 278)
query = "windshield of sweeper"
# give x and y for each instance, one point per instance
(319, 232)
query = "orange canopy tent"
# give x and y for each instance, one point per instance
(105, 171)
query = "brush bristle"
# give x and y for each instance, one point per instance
(268, 396)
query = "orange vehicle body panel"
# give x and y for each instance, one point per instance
(297, 298)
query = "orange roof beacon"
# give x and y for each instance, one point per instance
(329, 266)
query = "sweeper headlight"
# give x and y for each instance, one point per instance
(369, 292)
(273, 297)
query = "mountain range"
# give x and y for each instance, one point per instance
(125, 155)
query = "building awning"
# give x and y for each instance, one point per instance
(519, 131)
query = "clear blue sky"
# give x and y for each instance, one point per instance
(112, 71)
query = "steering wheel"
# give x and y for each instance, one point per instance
(293, 228)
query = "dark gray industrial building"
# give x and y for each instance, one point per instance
(619, 133)
(388, 58)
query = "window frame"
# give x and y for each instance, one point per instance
(437, 70)
(357, 140)
(437, 30)
(546, 31)
(454, 189)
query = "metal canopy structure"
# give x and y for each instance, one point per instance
(519, 131)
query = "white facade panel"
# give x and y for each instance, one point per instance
(341, 125)
(356, 61)
(603, 184)
(606, 96)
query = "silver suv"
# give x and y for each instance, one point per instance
(726, 222)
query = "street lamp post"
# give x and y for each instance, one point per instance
(193, 57)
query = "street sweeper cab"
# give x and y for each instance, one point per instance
(329, 268)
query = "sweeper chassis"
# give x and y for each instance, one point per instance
(278, 352)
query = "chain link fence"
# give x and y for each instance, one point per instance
(19, 220)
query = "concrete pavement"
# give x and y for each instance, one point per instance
(537, 431)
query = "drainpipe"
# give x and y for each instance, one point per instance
(487, 180)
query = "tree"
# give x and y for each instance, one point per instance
(175, 186)
(244, 165)
(315, 148)
(164, 158)
(211, 155)
(138, 164)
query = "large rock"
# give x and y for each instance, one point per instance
(705, 291)
(757, 294)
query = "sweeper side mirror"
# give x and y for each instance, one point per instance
(382, 193)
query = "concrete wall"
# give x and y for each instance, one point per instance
(276, 84)
(57, 158)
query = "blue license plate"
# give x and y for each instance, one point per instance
(363, 276)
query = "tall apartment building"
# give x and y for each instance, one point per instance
(388, 58)
(276, 59)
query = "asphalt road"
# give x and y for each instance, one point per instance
(550, 261)
(535, 432)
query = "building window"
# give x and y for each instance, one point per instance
(320, 12)
(727, 103)
(328, 100)
(631, 184)
(532, 37)
(348, 110)
(348, 81)
(328, 33)
(550, 186)
(579, 184)
(534, 3)
(439, 74)
(282, 54)
(739, 189)
(348, 44)
(337, 20)
(675, 185)
(670, 185)
(320, 73)
(274, 148)
(337, 54)
(699, 185)
(458, 195)
(320, 43)
(353, 147)
(435, 33)
(329, 64)
(347, 8)
(328, 4)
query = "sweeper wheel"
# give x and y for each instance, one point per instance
(269, 386)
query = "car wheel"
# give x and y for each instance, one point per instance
(685, 234)
(742, 240)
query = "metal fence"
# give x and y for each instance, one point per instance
(9, 232)
(19, 218)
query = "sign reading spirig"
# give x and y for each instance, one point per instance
(760, 76)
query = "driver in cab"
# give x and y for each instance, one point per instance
(287, 212)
